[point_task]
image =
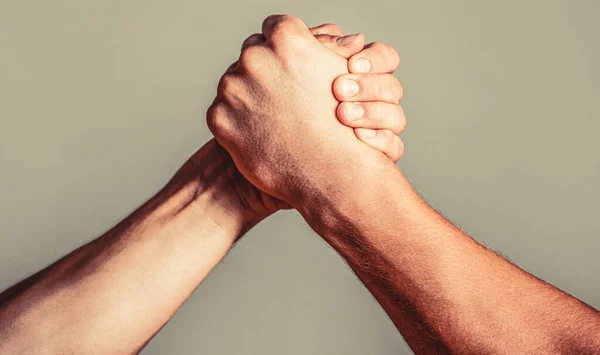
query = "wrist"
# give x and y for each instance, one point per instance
(376, 186)
(209, 185)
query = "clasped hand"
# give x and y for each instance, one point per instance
(303, 109)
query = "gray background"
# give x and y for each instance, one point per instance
(101, 101)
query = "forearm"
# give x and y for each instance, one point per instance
(113, 294)
(443, 290)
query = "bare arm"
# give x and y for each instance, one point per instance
(445, 292)
(113, 294)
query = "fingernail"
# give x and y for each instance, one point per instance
(355, 111)
(368, 133)
(346, 40)
(349, 88)
(362, 65)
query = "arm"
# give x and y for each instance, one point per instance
(445, 292)
(113, 294)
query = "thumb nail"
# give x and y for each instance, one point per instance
(346, 40)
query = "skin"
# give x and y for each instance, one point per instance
(113, 294)
(280, 144)
(445, 292)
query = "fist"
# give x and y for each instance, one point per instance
(275, 113)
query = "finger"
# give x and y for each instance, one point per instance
(253, 40)
(343, 46)
(374, 115)
(367, 87)
(383, 140)
(376, 57)
(327, 29)
(275, 27)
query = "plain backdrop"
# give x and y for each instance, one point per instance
(101, 101)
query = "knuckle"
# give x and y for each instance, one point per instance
(282, 31)
(271, 20)
(280, 35)
(380, 48)
(388, 52)
(396, 87)
(402, 119)
(280, 23)
(400, 90)
(250, 60)
(398, 149)
(255, 38)
(232, 67)
(216, 119)
(375, 112)
(387, 137)
(393, 57)
(375, 88)
(399, 125)
(227, 85)
(290, 19)
(395, 124)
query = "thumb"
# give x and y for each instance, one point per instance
(345, 46)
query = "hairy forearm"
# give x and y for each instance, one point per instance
(113, 294)
(444, 291)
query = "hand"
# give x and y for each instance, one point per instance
(256, 204)
(373, 110)
(278, 94)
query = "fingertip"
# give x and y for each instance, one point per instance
(357, 45)
(359, 41)
(360, 38)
